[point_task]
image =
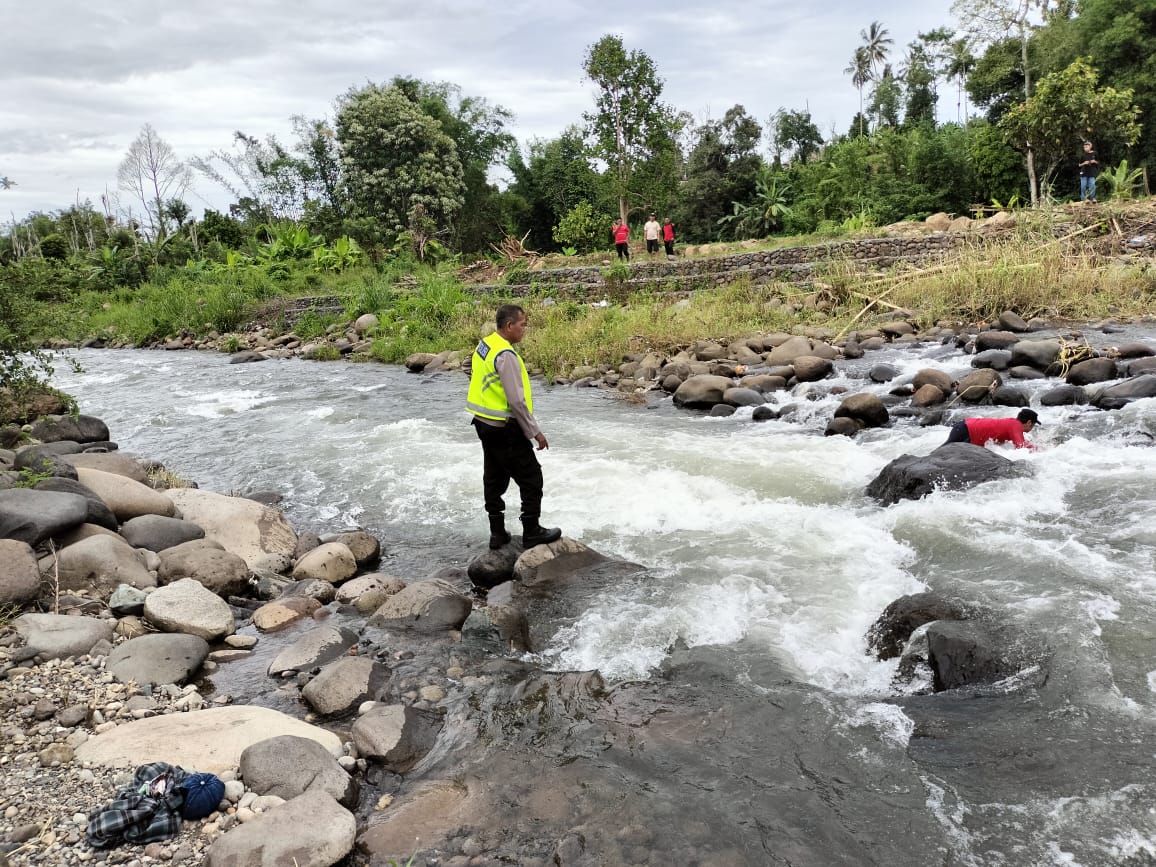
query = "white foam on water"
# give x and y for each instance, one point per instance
(893, 725)
(320, 412)
(225, 403)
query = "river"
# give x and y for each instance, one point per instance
(765, 566)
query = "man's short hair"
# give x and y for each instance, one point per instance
(1026, 415)
(508, 313)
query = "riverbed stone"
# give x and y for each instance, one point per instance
(112, 462)
(210, 740)
(78, 428)
(126, 600)
(1010, 395)
(187, 606)
(1009, 320)
(424, 606)
(844, 426)
(330, 561)
(739, 396)
(396, 736)
(33, 516)
(127, 498)
(995, 339)
(314, 588)
(158, 658)
(555, 562)
(203, 560)
(350, 591)
(365, 547)
(865, 408)
(993, 359)
(978, 385)
(963, 654)
(157, 532)
(1123, 393)
(256, 533)
(493, 567)
(46, 459)
(953, 466)
(1139, 366)
(812, 368)
(927, 395)
(288, 766)
(889, 634)
(424, 812)
(282, 611)
(312, 830)
(97, 564)
(933, 376)
(98, 511)
(19, 573)
(1064, 395)
(317, 647)
(702, 391)
(344, 684)
(1038, 354)
(52, 636)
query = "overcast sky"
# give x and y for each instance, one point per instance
(79, 79)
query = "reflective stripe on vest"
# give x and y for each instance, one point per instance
(486, 397)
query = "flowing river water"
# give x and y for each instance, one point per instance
(744, 722)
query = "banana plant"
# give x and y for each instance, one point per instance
(1123, 180)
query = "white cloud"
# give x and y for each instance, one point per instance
(81, 78)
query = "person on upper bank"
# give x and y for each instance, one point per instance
(651, 231)
(979, 431)
(622, 239)
(501, 402)
(1089, 169)
(668, 236)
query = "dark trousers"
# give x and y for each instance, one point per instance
(652, 245)
(623, 251)
(959, 433)
(669, 247)
(506, 455)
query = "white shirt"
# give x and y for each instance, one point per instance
(651, 229)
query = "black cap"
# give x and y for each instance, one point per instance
(1026, 415)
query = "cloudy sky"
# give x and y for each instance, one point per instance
(79, 79)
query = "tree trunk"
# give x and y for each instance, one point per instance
(1033, 181)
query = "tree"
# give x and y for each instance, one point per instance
(1068, 107)
(876, 44)
(395, 157)
(886, 97)
(919, 76)
(960, 63)
(152, 174)
(630, 123)
(722, 167)
(549, 182)
(6, 183)
(860, 71)
(793, 133)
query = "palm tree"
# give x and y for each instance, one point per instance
(875, 44)
(960, 63)
(860, 71)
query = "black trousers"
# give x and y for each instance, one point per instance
(669, 247)
(959, 433)
(652, 245)
(623, 251)
(506, 455)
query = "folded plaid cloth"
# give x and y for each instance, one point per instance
(146, 811)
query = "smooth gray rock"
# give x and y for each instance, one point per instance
(963, 654)
(19, 573)
(186, 606)
(740, 396)
(888, 635)
(365, 547)
(995, 340)
(204, 561)
(98, 511)
(424, 606)
(953, 466)
(47, 458)
(312, 830)
(1123, 393)
(865, 408)
(1092, 370)
(1039, 354)
(317, 647)
(159, 532)
(345, 683)
(288, 766)
(396, 736)
(78, 428)
(33, 516)
(98, 563)
(126, 600)
(58, 635)
(978, 385)
(993, 359)
(158, 658)
(112, 462)
(702, 391)
(1064, 395)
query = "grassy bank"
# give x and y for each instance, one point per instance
(424, 309)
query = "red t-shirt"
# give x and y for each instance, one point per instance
(621, 234)
(667, 232)
(1000, 430)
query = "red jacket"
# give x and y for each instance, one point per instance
(667, 232)
(1000, 430)
(621, 234)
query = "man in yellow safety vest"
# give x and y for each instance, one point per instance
(503, 410)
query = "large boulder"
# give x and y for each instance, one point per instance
(995, 340)
(932, 376)
(1123, 393)
(186, 606)
(218, 570)
(288, 766)
(33, 516)
(211, 741)
(1092, 370)
(342, 685)
(702, 391)
(111, 462)
(365, 547)
(1039, 354)
(396, 736)
(1064, 395)
(1009, 320)
(98, 511)
(424, 606)
(47, 458)
(52, 636)
(965, 654)
(556, 562)
(865, 408)
(978, 385)
(331, 561)
(317, 647)
(312, 830)
(99, 564)
(284, 610)
(158, 658)
(156, 532)
(790, 349)
(77, 428)
(256, 533)
(953, 466)
(889, 634)
(19, 574)
(812, 368)
(127, 498)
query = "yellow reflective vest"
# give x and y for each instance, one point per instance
(486, 397)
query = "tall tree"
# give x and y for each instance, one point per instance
(630, 123)
(960, 63)
(1068, 107)
(396, 157)
(549, 182)
(876, 45)
(794, 134)
(152, 174)
(860, 71)
(919, 74)
(723, 167)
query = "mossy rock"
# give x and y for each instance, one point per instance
(26, 405)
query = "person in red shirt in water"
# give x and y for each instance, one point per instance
(979, 431)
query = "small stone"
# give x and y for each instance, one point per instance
(383, 802)
(234, 789)
(57, 754)
(432, 693)
(241, 642)
(347, 762)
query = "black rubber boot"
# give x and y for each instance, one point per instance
(499, 538)
(534, 533)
